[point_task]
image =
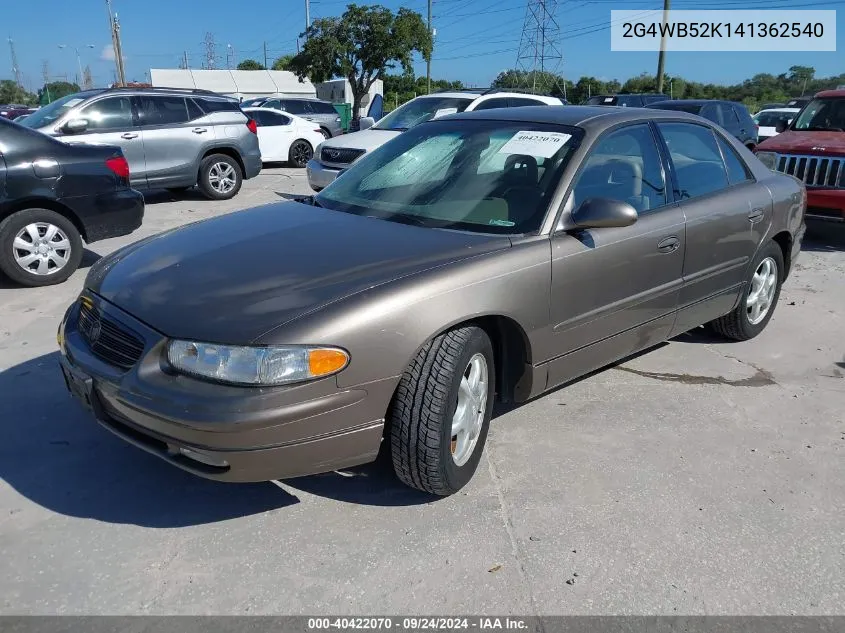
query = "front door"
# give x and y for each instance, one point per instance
(111, 121)
(615, 290)
(275, 134)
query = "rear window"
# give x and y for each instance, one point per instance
(680, 107)
(218, 105)
(771, 119)
(625, 101)
(321, 107)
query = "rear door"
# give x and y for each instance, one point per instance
(613, 280)
(727, 214)
(275, 134)
(113, 121)
(173, 142)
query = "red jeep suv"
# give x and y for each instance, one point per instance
(812, 148)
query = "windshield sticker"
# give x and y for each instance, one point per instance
(501, 223)
(72, 102)
(444, 112)
(543, 144)
(608, 99)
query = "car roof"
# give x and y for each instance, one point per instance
(823, 94)
(587, 117)
(682, 102)
(469, 96)
(785, 110)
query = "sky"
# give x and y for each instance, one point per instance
(475, 39)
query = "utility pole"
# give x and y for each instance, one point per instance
(45, 72)
(307, 16)
(265, 55)
(114, 29)
(210, 53)
(661, 57)
(185, 60)
(16, 69)
(428, 61)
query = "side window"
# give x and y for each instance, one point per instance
(273, 119)
(519, 102)
(110, 113)
(624, 165)
(294, 107)
(309, 108)
(743, 117)
(324, 108)
(272, 103)
(162, 110)
(194, 111)
(501, 102)
(729, 116)
(737, 170)
(696, 158)
(712, 112)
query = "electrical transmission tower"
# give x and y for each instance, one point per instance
(16, 69)
(539, 58)
(210, 54)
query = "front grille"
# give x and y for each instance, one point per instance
(108, 339)
(340, 155)
(814, 171)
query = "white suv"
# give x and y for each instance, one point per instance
(334, 155)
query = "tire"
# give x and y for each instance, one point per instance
(48, 254)
(220, 177)
(425, 454)
(300, 153)
(742, 323)
(751, 146)
(326, 134)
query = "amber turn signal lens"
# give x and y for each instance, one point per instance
(326, 361)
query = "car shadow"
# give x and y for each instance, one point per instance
(701, 334)
(53, 453)
(89, 258)
(157, 196)
(826, 237)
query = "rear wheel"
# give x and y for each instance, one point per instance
(300, 153)
(759, 297)
(39, 247)
(220, 177)
(440, 414)
(326, 134)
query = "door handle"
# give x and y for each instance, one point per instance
(199, 130)
(129, 135)
(756, 214)
(668, 244)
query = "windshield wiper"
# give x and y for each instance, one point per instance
(312, 200)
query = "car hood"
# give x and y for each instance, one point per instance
(793, 142)
(365, 139)
(233, 278)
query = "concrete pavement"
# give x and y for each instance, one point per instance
(703, 477)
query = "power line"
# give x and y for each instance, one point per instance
(16, 69)
(539, 55)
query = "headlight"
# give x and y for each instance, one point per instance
(769, 159)
(258, 366)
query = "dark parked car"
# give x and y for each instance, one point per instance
(479, 257)
(626, 100)
(320, 112)
(732, 116)
(53, 196)
(12, 111)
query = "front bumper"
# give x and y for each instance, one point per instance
(320, 176)
(826, 205)
(216, 431)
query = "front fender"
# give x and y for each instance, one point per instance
(384, 328)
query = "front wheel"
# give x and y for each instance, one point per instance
(220, 177)
(440, 413)
(300, 153)
(759, 297)
(39, 247)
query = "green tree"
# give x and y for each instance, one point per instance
(360, 46)
(250, 64)
(56, 90)
(282, 63)
(801, 74)
(10, 92)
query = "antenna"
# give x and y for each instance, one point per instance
(16, 69)
(539, 57)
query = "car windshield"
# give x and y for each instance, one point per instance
(53, 112)
(822, 114)
(253, 103)
(771, 119)
(484, 176)
(420, 110)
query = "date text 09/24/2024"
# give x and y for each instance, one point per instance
(416, 623)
